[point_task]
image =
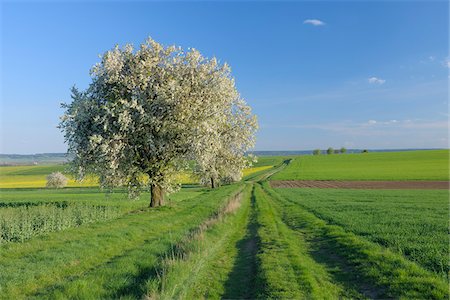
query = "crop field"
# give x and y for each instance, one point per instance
(408, 165)
(246, 240)
(34, 176)
(412, 223)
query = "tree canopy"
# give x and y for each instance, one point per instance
(147, 112)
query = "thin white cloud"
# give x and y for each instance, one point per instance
(376, 80)
(389, 122)
(447, 63)
(314, 22)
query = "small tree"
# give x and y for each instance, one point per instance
(365, 151)
(343, 150)
(56, 180)
(317, 152)
(330, 150)
(222, 158)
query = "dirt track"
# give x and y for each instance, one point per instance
(410, 185)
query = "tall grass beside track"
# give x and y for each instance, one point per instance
(199, 265)
(18, 224)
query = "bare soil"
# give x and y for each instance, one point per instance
(333, 184)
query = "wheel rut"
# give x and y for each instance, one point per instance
(242, 282)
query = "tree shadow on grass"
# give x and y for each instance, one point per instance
(243, 282)
(136, 288)
(325, 251)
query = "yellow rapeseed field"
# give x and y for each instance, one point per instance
(35, 176)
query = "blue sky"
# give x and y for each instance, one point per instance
(317, 74)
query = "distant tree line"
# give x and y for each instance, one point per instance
(331, 150)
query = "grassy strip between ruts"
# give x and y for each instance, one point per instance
(110, 259)
(285, 265)
(382, 273)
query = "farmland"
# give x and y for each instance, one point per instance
(245, 240)
(35, 176)
(408, 165)
(412, 223)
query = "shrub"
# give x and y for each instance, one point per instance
(330, 150)
(365, 151)
(56, 180)
(317, 152)
(343, 150)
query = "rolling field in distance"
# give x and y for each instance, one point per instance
(408, 165)
(245, 240)
(34, 176)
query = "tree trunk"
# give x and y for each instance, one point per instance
(156, 196)
(213, 183)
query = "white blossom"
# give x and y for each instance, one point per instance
(149, 111)
(56, 180)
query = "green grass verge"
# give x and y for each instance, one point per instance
(408, 165)
(38, 196)
(201, 264)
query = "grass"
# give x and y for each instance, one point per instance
(285, 266)
(409, 165)
(410, 222)
(28, 212)
(241, 241)
(108, 259)
(199, 265)
(268, 161)
(18, 224)
(355, 262)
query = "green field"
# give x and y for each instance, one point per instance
(408, 165)
(245, 240)
(410, 222)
